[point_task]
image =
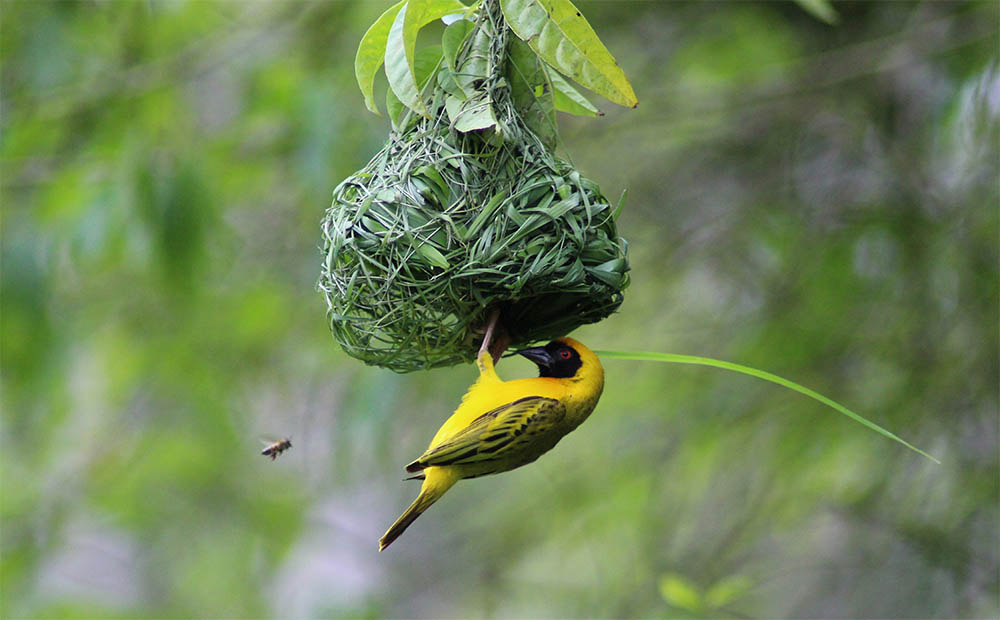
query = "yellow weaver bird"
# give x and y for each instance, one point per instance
(502, 425)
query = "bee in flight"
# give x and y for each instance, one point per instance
(276, 448)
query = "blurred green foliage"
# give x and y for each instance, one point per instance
(817, 201)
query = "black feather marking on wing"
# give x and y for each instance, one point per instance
(455, 458)
(495, 447)
(505, 426)
(480, 422)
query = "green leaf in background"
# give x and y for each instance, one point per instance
(675, 358)
(531, 91)
(726, 590)
(371, 53)
(563, 38)
(820, 9)
(568, 99)
(401, 44)
(679, 592)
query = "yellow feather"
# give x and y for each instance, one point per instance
(501, 425)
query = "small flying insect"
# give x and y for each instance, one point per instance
(276, 448)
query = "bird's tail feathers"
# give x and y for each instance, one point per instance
(431, 491)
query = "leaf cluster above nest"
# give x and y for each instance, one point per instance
(553, 40)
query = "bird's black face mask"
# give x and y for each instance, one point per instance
(556, 359)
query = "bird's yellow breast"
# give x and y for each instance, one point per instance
(579, 393)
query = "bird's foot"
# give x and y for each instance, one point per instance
(490, 327)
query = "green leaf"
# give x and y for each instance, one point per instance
(432, 255)
(727, 590)
(394, 108)
(371, 53)
(820, 9)
(432, 174)
(471, 114)
(675, 358)
(621, 205)
(446, 80)
(472, 72)
(401, 44)
(439, 186)
(611, 272)
(679, 592)
(569, 99)
(425, 64)
(485, 214)
(561, 36)
(453, 38)
(531, 92)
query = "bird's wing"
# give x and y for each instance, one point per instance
(495, 434)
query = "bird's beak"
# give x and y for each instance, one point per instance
(538, 355)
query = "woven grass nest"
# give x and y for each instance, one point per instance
(441, 228)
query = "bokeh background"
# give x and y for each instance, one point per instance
(816, 200)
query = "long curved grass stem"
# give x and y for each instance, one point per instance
(676, 358)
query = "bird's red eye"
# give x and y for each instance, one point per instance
(564, 354)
